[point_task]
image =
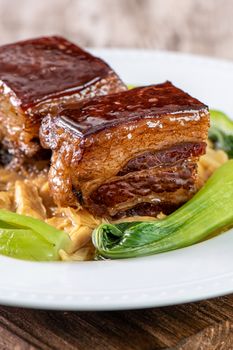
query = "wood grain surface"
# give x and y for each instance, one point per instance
(206, 325)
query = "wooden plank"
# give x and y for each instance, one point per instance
(9, 341)
(215, 337)
(203, 325)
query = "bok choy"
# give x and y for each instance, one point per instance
(209, 211)
(27, 238)
(221, 132)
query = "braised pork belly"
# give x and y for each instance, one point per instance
(38, 76)
(130, 153)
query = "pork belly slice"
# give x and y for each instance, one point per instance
(127, 153)
(38, 76)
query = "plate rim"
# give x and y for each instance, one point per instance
(32, 300)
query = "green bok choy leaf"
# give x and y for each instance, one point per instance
(221, 131)
(208, 212)
(27, 238)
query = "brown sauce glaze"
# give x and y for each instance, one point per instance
(48, 67)
(147, 102)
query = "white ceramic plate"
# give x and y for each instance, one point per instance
(202, 271)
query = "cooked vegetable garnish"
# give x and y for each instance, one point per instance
(221, 131)
(209, 211)
(129, 86)
(27, 238)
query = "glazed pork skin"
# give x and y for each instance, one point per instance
(38, 76)
(121, 153)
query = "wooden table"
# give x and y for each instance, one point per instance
(197, 326)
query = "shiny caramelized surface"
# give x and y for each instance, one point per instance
(85, 163)
(48, 67)
(143, 102)
(97, 142)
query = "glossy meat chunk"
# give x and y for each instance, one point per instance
(113, 153)
(136, 104)
(38, 76)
